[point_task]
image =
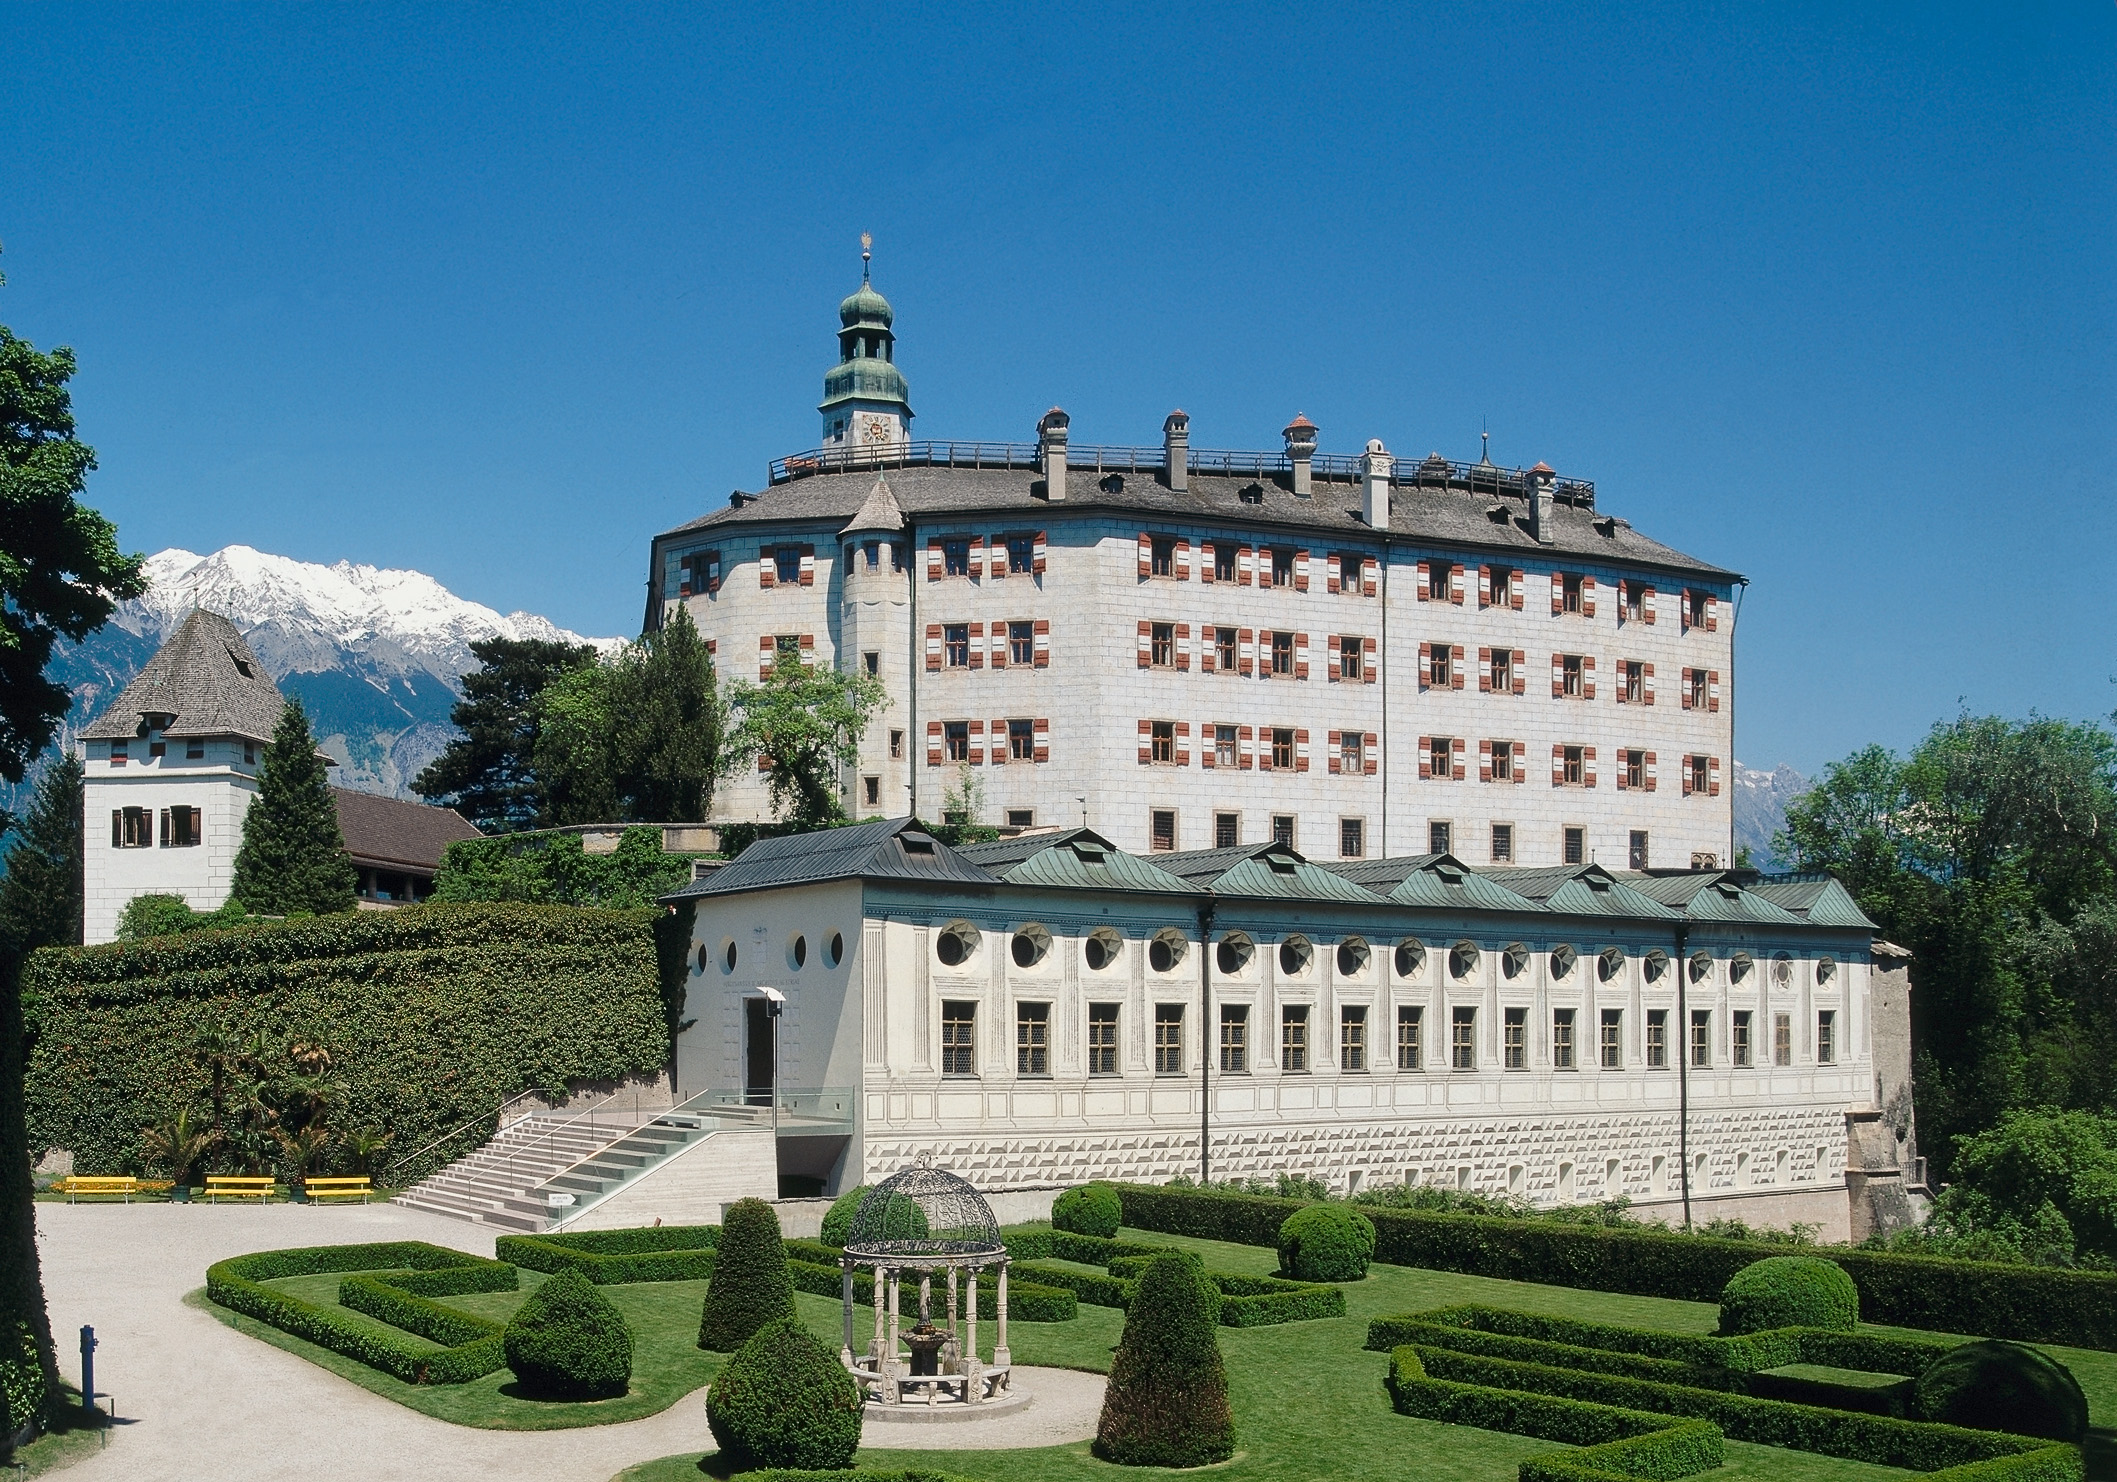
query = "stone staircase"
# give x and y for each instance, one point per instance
(511, 1181)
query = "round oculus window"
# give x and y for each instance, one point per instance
(1101, 949)
(1352, 957)
(1295, 954)
(1232, 953)
(1410, 959)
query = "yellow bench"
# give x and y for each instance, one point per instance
(338, 1188)
(76, 1185)
(234, 1186)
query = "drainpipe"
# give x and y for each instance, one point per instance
(1207, 1042)
(1683, 1065)
(915, 666)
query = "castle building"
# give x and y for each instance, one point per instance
(1359, 656)
(173, 765)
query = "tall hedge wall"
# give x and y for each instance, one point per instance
(433, 1016)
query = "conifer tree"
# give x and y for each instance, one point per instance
(293, 858)
(1167, 1401)
(40, 900)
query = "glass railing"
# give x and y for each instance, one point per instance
(803, 1111)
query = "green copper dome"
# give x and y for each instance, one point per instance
(864, 379)
(865, 307)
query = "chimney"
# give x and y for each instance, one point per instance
(1176, 450)
(1300, 435)
(1374, 484)
(1051, 445)
(1541, 482)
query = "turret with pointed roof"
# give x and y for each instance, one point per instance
(204, 682)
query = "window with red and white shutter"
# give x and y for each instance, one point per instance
(1246, 651)
(1334, 752)
(1712, 772)
(1183, 560)
(1457, 585)
(1300, 750)
(1712, 614)
(1646, 605)
(1558, 594)
(1587, 596)
(808, 648)
(1455, 756)
(1484, 671)
(1587, 766)
(1515, 589)
(997, 567)
(1146, 555)
(1367, 576)
(1000, 758)
(1245, 566)
(1646, 684)
(1455, 667)
(1146, 644)
(767, 646)
(1484, 586)
(1330, 657)
(1036, 558)
(999, 645)
(1521, 671)
(1301, 571)
(1041, 731)
(1484, 761)
(1264, 748)
(1301, 656)
(1370, 669)
(1425, 758)
(976, 657)
(976, 755)
(1043, 643)
(1558, 766)
(1712, 689)
(1183, 743)
(933, 647)
(1146, 743)
(1183, 646)
(1425, 583)
(934, 743)
(1370, 754)
(1333, 575)
(1653, 774)
(1425, 666)
(1587, 676)
(1558, 676)
(1246, 746)
(1205, 745)
(767, 569)
(935, 561)
(1521, 761)
(1208, 659)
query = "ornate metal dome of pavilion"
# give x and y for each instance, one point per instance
(923, 1211)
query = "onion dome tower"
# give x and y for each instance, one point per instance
(866, 404)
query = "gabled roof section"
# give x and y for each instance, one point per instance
(1581, 890)
(1821, 902)
(206, 679)
(1070, 859)
(880, 512)
(1709, 895)
(1439, 880)
(390, 832)
(887, 849)
(1261, 871)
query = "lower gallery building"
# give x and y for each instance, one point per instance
(1048, 1009)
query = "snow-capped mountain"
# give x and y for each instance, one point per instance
(1760, 810)
(375, 655)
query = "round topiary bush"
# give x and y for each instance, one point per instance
(2000, 1386)
(784, 1400)
(839, 1217)
(1167, 1400)
(903, 1220)
(567, 1342)
(749, 1286)
(1789, 1292)
(1326, 1242)
(1091, 1209)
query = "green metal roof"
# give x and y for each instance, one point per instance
(1262, 872)
(886, 849)
(1071, 859)
(864, 378)
(1708, 895)
(1582, 890)
(1437, 880)
(864, 306)
(1818, 902)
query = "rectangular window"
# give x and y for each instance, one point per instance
(1224, 561)
(1282, 826)
(1283, 655)
(1575, 767)
(1234, 1039)
(195, 749)
(1225, 657)
(786, 648)
(1635, 596)
(1440, 837)
(182, 828)
(1282, 568)
(1503, 671)
(1352, 752)
(1637, 852)
(1293, 1039)
(871, 787)
(1826, 1036)
(786, 563)
(1227, 828)
(1562, 1039)
(1163, 747)
(1021, 555)
(873, 551)
(1352, 1039)
(873, 660)
(955, 557)
(1462, 1038)
(1021, 644)
(1503, 843)
(1576, 846)
(1635, 765)
(1224, 752)
(1164, 556)
(1515, 1042)
(957, 733)
(1032, 1039)
(1575, 676)
(1502, 761)
(1632, 677)
(1701, 777)
(1411, 1019)
(1782, 1039)
(1701, 1038)
(959, 1037)
(1738, 1043)
(1694, 689)
(1570, 590)
(131, 828)
(1021, 740)
(157, 748)
(1021, 818)
(1102, 1039)
(957, 638)
(249, 753)
(1168, 1039)
(1352, 838)
(1441, 665)
(1351, 659)
(1440, 757)
(896, 743)
(1657, 1039)
(1162, 830)
(1613, 1057)
(1695, 605)
(1502, 580)
(1164, 641)
(1283, 747)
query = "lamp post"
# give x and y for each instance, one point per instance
(776, 1002)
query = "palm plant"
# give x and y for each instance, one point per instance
(178, 1143)
(216, 1053)
(306, 1149)
(365, 1146)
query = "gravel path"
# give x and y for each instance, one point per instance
(200, 1399)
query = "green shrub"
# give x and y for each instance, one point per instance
(901, 1220)
(1167, 1400)
(1091, 1209)
(2001, 1386)
(749, 1286)
(858, 1474)
(22, 1398)
(784, 1400)
(567, 1342)
(839, 1217)
(1789, 1292)
(615, 1257)
(1326, 1242)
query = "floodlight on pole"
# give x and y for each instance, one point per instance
(776, 1002)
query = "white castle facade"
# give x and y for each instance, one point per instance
(1359, 656)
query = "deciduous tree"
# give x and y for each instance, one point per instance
(805, 723)
(489, 774)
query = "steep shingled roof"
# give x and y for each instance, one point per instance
(880, 512)
(392, 833)
(207, 678)
(887, 849)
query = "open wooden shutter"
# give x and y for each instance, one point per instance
(1246, 651)
(1455, 667)
(808, 648)
(977, 645)
(1333, 575)
(1686, 776)
(1712, 689)
(1367, 576)
(1183, 646)
(1646, 604)
(1684, 687)
(1558, 766)
(1484, 761)
(933, 647)
(1301, 656)
(1587, 596)
(1521, 761)
(1370, 754)
(1183, 560)
(999, 645)
(997, 566)
(1245, 746)
(1653, 774)
(1425, 587)
(1623, 767)
(1183, 743)
(1245, 565)
(1043, 643)
(1712, 777)
(1146, 644)
(1330, 657)
(1370, 665)
(808, 566)
(1712, 614)
(1425, 758)
(1146, 742)
(1484, 586)
(1646, 684)
(1264, 748)
(934, 565)
(1036, 557)
(1455, 755)
(1205, 745)
(1558, 594)
(767, 646)
(1333, 754)
(977, 743)
(1521, 671)
(1484, 671)
(1587, 676)
(1205, 564)
(767, 571)
(1041, 730)
(1301, 571)
(1146, 555)
(933, 743)
(1208, 655)
(1457, 585)
(1425, 666)
(1300, 750)
(1558, 676)
(1000, 748)
(1587, 766)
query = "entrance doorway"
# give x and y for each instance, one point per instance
(757, 1052)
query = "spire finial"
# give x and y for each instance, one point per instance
(1484, 443)
(867, 245)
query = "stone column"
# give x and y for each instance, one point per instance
(845, 1270)
(971, 1368)
(926, 1296)
(1000, 1356)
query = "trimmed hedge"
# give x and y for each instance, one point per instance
(1326, 1242)
(749, 1286)
(1789, 1292)
(1993, 1383)
(785, 1401)
(2036, 1304)
(1091, 1209)
(567, 1342)
(433, 1016)
(857, 1474)
(615, 1257)
(472, 1349)
(1166, 1404)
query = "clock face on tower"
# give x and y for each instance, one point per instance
(877, 430)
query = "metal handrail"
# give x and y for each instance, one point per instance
(554, 1126)
(682, 1108)
(499, 1125)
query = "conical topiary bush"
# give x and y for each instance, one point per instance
(568, 1343)
(785, 1400)
(1167, 1403)
(750, 1286)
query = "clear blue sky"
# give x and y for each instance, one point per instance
(1821, 294)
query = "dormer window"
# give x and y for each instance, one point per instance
(120, 753)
